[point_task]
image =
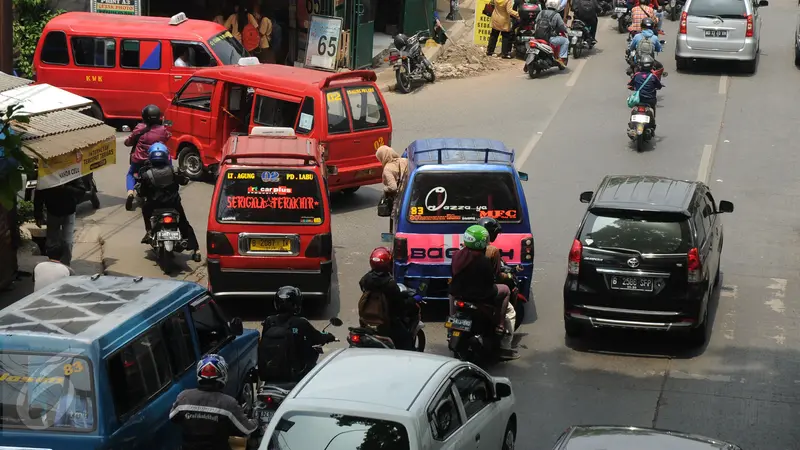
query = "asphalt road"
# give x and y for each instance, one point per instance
(730, 130)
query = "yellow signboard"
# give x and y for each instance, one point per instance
(67, 167)
(483, 25)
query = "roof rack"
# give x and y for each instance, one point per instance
(305, 157)
(481, 155)
(363, 75)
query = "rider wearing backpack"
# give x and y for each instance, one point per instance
(586, 11)
(549, 25)
(286, 350)
(646, 43)
(382, 304)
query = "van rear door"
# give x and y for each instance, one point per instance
(274, 109)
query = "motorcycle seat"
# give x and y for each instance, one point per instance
(362, 330)
(286, 385)
(161, 211)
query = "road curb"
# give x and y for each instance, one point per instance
(386, 79)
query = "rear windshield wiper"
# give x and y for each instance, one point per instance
(618, 249)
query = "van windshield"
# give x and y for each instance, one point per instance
(463, 197)
(270, 196)
(227, 48)
(46, 391)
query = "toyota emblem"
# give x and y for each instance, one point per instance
(633, 263)
(717, 21)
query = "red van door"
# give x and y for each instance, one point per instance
(193, 116)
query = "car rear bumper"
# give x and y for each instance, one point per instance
(581, 308)
(265, 282)
(746, 53)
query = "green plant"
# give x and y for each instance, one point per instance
(13, 161)
(30, 17)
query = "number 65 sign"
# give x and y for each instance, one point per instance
(322, 49)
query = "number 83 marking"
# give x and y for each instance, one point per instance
(76, 367)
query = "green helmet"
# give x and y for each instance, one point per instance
(476, 238)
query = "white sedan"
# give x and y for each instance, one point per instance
(394, 400)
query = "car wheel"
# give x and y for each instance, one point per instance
(750, 66)
(509, 438)
(190, 163)
(573, 328)
(94, 111)
(681, 63)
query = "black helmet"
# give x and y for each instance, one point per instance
(151, 115)
(288, 299)
(492, 226)
(648, 24)
(400, 41)
(646, 63)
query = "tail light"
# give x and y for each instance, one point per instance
(321, 246)
(400, 249)
(460, 304)
(749, 32)
(218, 244)
(694, 266)
(392, 58)
(684, 16)
(354, 338)
(532, 43)
(527, 249)
(465, 305)
(574, 265)
(167, 219)
(641, 109)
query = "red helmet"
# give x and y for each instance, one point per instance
(380, 260)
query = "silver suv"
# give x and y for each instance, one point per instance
(719, 29)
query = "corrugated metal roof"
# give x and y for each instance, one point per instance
(59, 144)
(60, 132)
(8, 82)
(55, 123)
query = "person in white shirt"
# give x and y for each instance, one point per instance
(183, 58)
(52, 270)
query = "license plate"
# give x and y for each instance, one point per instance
(632, 284)
(717, 33)
(264, 416)
(620, 10)
(640, 118)
(365, 173)
(271, 245)
(455, 323)
(169, 235)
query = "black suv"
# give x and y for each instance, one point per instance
(646, 256)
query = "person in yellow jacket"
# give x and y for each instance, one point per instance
(264, 26)
(501, 24)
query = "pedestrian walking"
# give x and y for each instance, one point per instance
(501, 25)
(52, 270)
(395, 171)
(59, 203)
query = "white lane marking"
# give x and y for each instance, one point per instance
(780, 338)
(706, 162)
(574, 77)
(723, 84)
(729, 321)
(778, 288)
(697, 376)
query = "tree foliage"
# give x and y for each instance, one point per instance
(13, 161)
(30, 17)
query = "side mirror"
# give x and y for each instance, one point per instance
(725, 206)
(167, 123)
(502, 390)
(237, 327)
(387, 237)
(332, 170)
(335, 321)
(523, 176)
(586, 197)
(763, 3)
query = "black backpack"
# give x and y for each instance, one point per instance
(276, 351)
(585, 9)
(544, 25)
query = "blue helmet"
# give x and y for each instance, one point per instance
(212, 369)
(158, 153)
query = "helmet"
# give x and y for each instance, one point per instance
(158, 154)
(492, 226)
(151, 115)
(380, 260)
(646, 63)
(400, 41)
(648, 24)
(476, 238)
(551, 4)
(212, 370)
(288, 299)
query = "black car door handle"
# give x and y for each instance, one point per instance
(477, 437)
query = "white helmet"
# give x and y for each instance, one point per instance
(551, 4)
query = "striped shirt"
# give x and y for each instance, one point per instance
(639, 13)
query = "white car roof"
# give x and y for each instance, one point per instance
(381, 377)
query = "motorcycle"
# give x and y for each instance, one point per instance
(640, 126)
(622, 15)
(579, 37)
(410, 63)
(524, 30)
(630, 59)
(165, 236)
(368, 336)
(674, 8)
(270, 396)
(541, 56)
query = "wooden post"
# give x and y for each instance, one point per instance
(6, 37)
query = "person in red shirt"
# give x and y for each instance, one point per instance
(145, 134)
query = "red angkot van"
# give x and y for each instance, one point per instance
(269, 224)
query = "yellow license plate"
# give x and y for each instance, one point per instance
(456, 333)
(271, 245)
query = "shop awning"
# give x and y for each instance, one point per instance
(56, 133)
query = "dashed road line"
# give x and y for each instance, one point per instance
(706, 163)
(723, 84)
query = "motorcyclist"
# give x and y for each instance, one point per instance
(586, 11)
(473, 279)
(646, 83)
(646, 43)
(549, 26)
(639, 11)
(493, 253)
(159, 185)
(145, 134)
(286, 350)
(400, 306)
(207, 416)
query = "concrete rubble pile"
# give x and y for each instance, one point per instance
(465, 59)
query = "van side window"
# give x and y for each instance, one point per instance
(135, 54)
(54, 50)
(179, 342)
(365, 108)
(191, 54)
(94, 52)
(212, 331)
(699, 225)
(337, 114)
(139, 371)
(271, 112)
(306, 122)
(196, 94)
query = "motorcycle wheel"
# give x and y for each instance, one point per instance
(403, 82)
(621, 25)
(640, 143)
(577, 49)
(533, 72)
(429, 74)
(673, 14)
(420, 341)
